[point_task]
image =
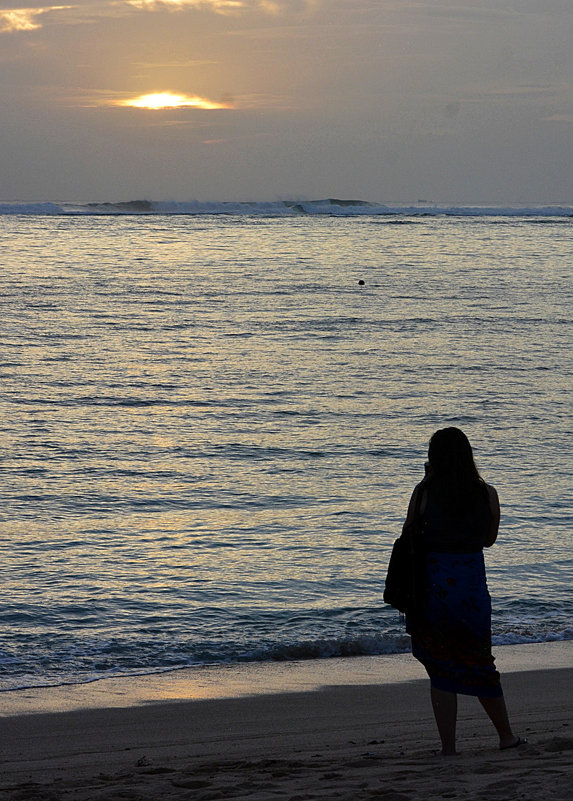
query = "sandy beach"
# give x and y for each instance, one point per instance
(351, 740)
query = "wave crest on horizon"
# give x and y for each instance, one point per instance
(334, 207)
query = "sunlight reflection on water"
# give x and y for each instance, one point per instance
(211, 429)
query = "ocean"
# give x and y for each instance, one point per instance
(213, 416)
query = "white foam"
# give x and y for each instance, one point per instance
(283, 208)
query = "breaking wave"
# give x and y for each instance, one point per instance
(282, 208)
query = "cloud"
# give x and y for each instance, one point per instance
(25, 19)
(274, 7)
(559, 118)
(521, 94)
(175, 64)
(28, 19)
(174, 101)
(217, 6)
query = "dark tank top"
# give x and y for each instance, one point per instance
(448, 532)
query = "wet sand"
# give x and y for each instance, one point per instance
(333, 734)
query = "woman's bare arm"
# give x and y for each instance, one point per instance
(412, 504)
(495, 515)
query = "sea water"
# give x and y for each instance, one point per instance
(212, 417)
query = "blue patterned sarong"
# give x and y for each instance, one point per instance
(451, 635)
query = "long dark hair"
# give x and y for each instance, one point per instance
(452, 470)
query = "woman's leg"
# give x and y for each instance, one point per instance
(445, 706)
(497, 713)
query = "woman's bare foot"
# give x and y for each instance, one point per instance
(512, 743)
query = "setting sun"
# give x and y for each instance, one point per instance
(167, 100)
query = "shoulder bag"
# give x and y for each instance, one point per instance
(405, 577)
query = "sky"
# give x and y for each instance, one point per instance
(449, 101)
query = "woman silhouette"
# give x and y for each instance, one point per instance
(451, 628)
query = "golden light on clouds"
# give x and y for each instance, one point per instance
(220, 6)
(29, 19)
(168, 100)
(24, 19)
(274, 7)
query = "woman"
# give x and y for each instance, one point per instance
(451, 629)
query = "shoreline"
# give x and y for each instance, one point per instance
(347, 742)
(204, 683)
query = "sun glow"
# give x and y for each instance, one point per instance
(168, 100)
